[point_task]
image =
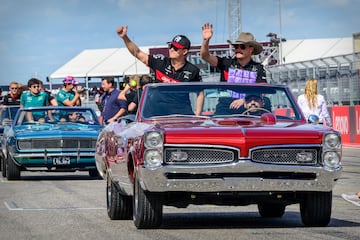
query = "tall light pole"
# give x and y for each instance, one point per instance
(234, 15)
(280, 35)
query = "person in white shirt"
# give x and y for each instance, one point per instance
(313, 103)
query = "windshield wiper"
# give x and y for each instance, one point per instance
(180, 115)
(235, 115)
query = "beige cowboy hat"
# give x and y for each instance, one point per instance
(248, 38)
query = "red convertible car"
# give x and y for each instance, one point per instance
(250, 144)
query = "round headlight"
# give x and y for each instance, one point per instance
(331, 159)
(332, 140)
(153, 158)
(153, 139)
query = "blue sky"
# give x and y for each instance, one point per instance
(39, 36)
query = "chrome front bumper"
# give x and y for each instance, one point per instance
(241, 176)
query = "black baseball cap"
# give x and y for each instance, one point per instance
(181, 41)
(256, 97)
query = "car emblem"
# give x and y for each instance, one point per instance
(179, 156)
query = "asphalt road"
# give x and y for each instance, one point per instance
(72, 206)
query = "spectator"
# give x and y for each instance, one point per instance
(110, 103)
(133, 99)
(313, 103)
(240, 68)
(67, 95)
(172, 69)
(97, 98)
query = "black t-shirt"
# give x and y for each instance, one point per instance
(232, 71)
(165, 72)
(133, 97)
(11, 100)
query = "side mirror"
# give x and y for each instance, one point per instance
(313, 119)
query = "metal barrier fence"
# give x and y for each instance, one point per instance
(338, 77)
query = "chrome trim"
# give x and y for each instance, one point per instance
(46, 155)
(204, 146)
(155, 180)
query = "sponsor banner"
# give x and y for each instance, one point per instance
(341, 121)
(357, 124)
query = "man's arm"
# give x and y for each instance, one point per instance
(120, 113)
(199, 103)
(204, 50)
(123, 92)
(74, 101)
(131, 46)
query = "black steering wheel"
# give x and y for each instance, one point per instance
(256, 109)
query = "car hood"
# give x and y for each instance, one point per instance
(48, 131)
(240, 133)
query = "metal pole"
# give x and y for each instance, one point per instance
(280, 35)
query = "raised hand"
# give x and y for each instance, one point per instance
(121, 31)
(207, 31)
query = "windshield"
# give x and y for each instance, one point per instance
(218, 100)
(7, 113)
(64, 115)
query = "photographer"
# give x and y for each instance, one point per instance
(68, 96)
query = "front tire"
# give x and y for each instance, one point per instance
(3, 165)
(119, 207)
(94, 173)
(147, 207)
(12, 170)
(315, 209)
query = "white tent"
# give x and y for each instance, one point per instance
(89, 63)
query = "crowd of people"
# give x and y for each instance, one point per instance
(114, 103)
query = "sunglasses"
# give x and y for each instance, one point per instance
(35, 86)
(171, 46)
(14, 88)
(241, 46)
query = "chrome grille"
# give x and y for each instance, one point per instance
(283, 156)
(56, 144)
(199, 155)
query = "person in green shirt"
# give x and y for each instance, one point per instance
(67, 95)
(34, 98)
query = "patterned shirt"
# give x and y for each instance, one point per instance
(28, 99)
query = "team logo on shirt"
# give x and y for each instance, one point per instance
(187, 75)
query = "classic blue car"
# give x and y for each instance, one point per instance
(50, 139)
(7, 113)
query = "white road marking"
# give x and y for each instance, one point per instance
(351, 198)
(16, 208)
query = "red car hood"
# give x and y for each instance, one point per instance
(242, 134)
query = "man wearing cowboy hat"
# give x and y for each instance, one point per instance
(239, 68)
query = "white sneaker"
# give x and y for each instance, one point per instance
(352, 198)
